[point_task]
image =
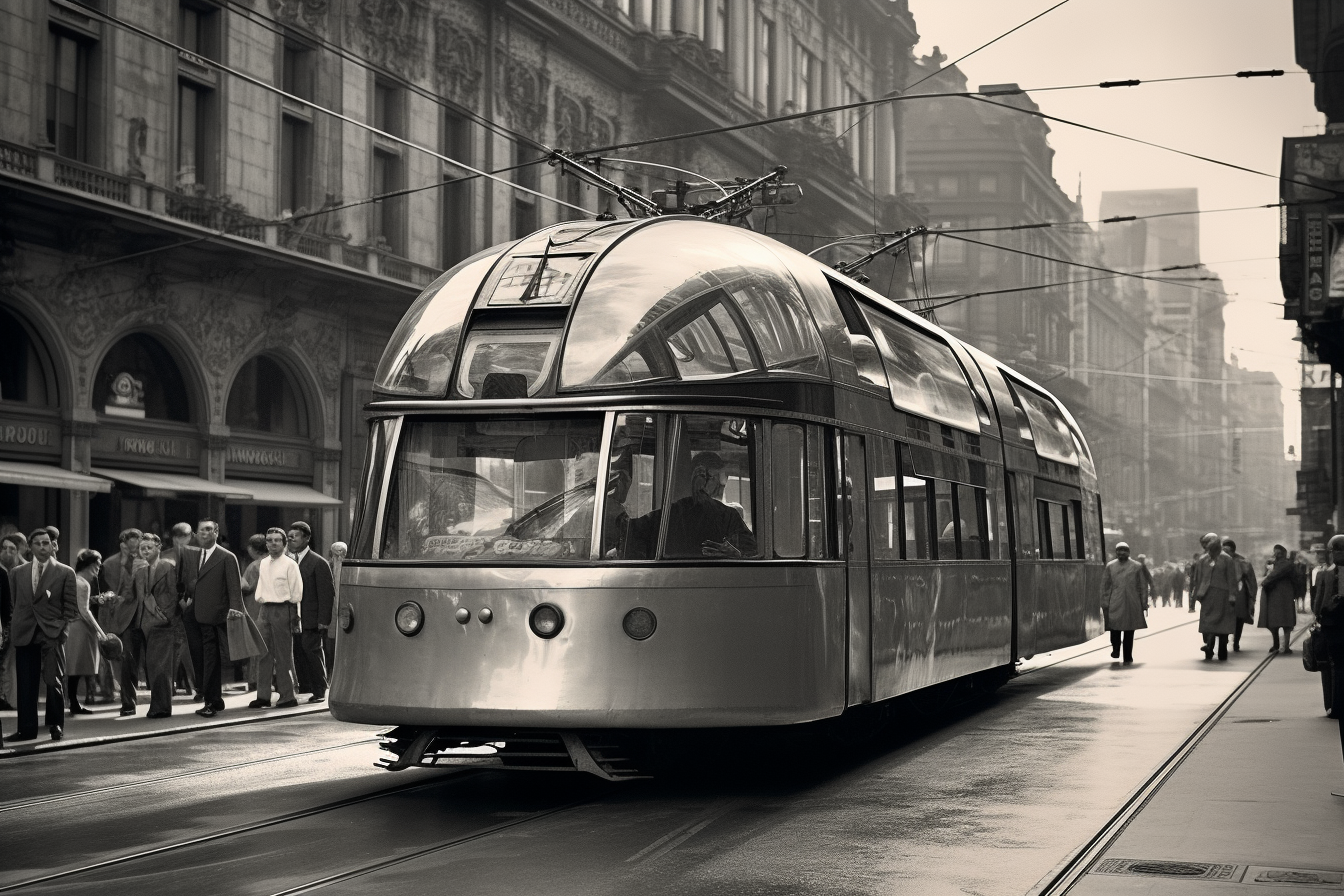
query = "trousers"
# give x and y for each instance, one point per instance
(315, 655)
(160, 661)
(42, 661)
(1125, 639)
(1334, 643)
(214, 640)
(276, 622)
(132, 653)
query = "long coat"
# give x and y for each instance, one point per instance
(156, 588)
(1246, 598)
(48, 610)
(1123, 595)
(1216, 617)
(119, 576)
(1277, 609)
(215, 588)
(318, 591)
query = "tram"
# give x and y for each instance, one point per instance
(649, 474)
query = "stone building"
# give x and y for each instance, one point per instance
(198, 274)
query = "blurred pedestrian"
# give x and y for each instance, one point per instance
(156, 589)
(1177, 584)
(6, 613)
(1329, 607)
(190, 660)
(1190, 577)
(1276, 607)
(1214, 585)
(13, 547)
(1325, 585)
(1246, 591)
(1322, 560)
(82, 658)
(278, 595)
(318, 595)
(256, 552)
(215, 591)
(44, 597)
(1124, 601)
(122, 614)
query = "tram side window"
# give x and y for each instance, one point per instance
(944, 520)
(915, 494)
(1079, 542)
(885, 513)
(818, 541)
(788, 490)
(1058, 529)
(974, 524)
(634, 482)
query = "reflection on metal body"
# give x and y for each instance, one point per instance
(735, 645)
(860, 595)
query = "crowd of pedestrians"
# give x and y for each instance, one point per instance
(173, 615)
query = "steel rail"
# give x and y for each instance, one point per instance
(450, 778)
(1062, 879)
(179, 776)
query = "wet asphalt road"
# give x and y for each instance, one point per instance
(982, 799)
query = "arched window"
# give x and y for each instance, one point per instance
(139, 378)
(25, 372)
(264, 398)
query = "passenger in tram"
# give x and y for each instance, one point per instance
(1246, 589)
(698, 525)
(1125, 586)
(1214, 584)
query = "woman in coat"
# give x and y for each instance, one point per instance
(1124, 600)
(84, 634)
(1213, 582)
(1277, 610)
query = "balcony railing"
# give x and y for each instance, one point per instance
(215, 213)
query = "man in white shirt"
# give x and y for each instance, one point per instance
(278, 595)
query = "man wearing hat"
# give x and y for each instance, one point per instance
(1246, 589)
(1214, 584)
(1277, 610)
(1124, 600)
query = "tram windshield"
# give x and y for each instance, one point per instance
(492, 490)
(678, 300)
(1054, 440)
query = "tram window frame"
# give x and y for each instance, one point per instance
(820, 489)
(1048, 513)
(1079, 542)
(364, 533)
(975, 517)
(916, 518)
(887, 513)
(942, 498)
(788, 465)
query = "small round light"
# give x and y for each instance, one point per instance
(485, 615)
(410, 618)
(463, 615)
(546, 621)
(640, 623)
(346, 617)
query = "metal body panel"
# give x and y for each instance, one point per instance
(1063, 608)
(759, 644)
(933, 622)
(860, 688)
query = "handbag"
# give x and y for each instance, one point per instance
(1311, 650)
(245, 639)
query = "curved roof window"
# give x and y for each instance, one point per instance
(1054, 440)
(264, 398)
(419, 357)
(139, 378)
(924, 374)
(25, 373)
(684, 299)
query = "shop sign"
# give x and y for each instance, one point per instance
(26, 436)
(255, 456)
(145, 446)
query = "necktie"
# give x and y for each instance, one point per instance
(204, 554)
(38, 569)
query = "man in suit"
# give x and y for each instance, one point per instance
(186, 633)
(156, 589)
(1247, 587)
(6, 613)
(121, 617)
(44, 605)
(1328, 605)
(315, 612)
(215, 590)
(13, 547)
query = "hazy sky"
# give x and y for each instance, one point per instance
(1237, 120)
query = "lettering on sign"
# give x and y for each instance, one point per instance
(1315, 257)
(147, 447)
(25, 435)
(262, 457)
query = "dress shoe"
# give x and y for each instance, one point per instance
(80, 711)
(1115, 653)
(218, 706)
(1236, 646)
(56, 732)
(128, 710)
(198, 697)
(1286, 650)
(207, 712)
(158, 715)
(1128, 660)
(259, 704)
(1208, 652)
(21, 736)
(286, 704)
(317, 698)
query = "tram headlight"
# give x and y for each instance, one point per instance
(546, 621)
(346, 617)
(410, 618)
(640, 623)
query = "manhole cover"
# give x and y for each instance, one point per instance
(1252, 721)
(1158, 868)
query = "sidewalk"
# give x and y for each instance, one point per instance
(107, 725)
(1250, 808)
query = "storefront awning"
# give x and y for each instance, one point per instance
(280, 493)
(169, 484)
(45, 476)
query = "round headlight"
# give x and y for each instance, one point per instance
(546, 621)
(640, 623)
(410, 618)
(346, 617)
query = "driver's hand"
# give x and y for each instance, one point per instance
(723, 548)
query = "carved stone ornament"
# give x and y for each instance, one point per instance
(525, 89)
(310, 13)
(457, 63)
(570, 116)
(136, 135)
(126, 398)
(393, 33)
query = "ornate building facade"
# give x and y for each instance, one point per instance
(212, 214)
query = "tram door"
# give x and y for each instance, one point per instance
(854, 494)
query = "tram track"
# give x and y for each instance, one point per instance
(1144, 637)
(448, 778)
(1065, 875)
(175, 777)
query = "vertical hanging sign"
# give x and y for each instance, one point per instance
(1314, 230)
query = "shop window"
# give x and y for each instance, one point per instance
(264, 398)
(25, 373)
(139, 378)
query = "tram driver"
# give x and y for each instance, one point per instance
(698, 525)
